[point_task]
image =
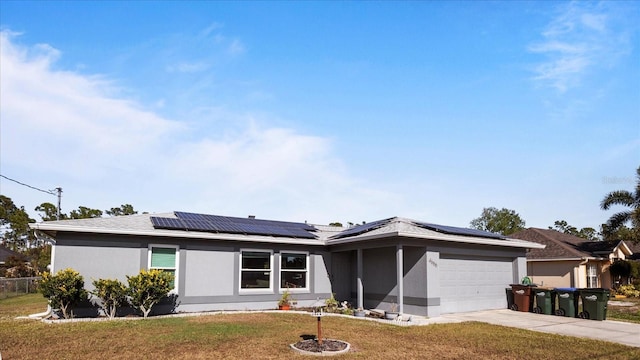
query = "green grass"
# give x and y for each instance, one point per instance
(266, 336)
(625, 313)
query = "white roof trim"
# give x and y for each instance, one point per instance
(625, 248)
(443, 237)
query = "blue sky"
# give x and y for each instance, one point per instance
(322, 111)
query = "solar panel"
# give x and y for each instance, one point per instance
(167, 223)
(198, 225)
(452, 230)
(356, 230)
(234, 225)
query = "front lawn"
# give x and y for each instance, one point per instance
(267, 335)
(627, 312)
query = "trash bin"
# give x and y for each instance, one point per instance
(594, 303)
(567, 302)
(522, 297)
(509, 297)
(545, 301)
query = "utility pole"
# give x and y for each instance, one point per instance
(59, 189)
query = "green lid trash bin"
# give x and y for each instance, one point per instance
(567, 302)
(594, 303)
(545, 301)
(522, 297)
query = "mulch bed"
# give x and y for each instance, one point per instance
(312, 345)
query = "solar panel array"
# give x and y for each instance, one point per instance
(357, 230)
(452, 230)
(233, 225)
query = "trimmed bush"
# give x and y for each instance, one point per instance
(148, 288)
(112, 294)
(64, 290)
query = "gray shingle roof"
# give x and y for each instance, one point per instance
(5, 253)
(326, 235)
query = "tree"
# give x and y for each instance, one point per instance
(615, 236)
(64, 290)
(149, 287)
(621, 271)
(503, 221)
(14, 225)
(50, 212)
(587, 233)
(112, 294)
(628, 199)
(126, 209)
(84, 212)
(40, 257)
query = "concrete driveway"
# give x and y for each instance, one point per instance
(608, 330)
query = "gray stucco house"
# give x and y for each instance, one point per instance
(227, 263)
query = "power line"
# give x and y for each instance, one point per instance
(50, 192)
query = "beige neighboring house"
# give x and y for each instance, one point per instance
(571, 261)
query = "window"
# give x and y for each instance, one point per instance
(294, 270)
(165, 258)
(592, 276)
(255, 272)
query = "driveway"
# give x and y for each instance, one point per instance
(608, 330)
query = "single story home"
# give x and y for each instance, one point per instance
(6, 253)
(571, 261)
(231, 263)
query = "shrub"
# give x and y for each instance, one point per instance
(332, 304)
(628, 290)
(112, 294)
(147, 289)
(64, 290)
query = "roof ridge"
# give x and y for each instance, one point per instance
(560, 243)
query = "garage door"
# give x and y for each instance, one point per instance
(472, 284)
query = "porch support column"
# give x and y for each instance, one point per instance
(400, 277)
(359, 284)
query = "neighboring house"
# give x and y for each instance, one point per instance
(6, 253)
(571, 261)
(227, 263)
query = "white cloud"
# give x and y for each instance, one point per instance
(210, 29)
(76, 131)
(236, 47)
(188, 67)
(578, 40)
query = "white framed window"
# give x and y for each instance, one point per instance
(165, 258)
(294, 271)
(592, 275)
(256, 271)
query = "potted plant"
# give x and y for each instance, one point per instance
(393, 313)
(285, 301)
(359, 312)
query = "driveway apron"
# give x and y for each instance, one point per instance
(607, 330)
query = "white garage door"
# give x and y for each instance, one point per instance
(471, 284)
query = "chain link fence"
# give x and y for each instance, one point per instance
(10, 287)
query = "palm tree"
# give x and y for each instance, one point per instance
(628, 199)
